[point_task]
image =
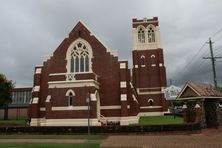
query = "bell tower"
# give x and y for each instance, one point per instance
(149, 74)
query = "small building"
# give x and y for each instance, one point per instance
(171, 92)
(203, 96)
(18, 109)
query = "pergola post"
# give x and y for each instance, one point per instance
(197, 113)
(185, 114)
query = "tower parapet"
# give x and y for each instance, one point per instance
(146, 34)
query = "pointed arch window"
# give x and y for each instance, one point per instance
(72, 64)
(141, 35)
(150, 102)
(70, 96)
(151, 35)
(79, 61)
(152, 59)
(82, 64)
(142, 60)
(87, 63)
(70, 99)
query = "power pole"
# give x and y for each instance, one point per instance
(213, 59)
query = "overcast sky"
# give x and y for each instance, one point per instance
(32, 29)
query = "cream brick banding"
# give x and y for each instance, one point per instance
(150, 93)
(42, 109)
(148, 107)
(67, 108)
(38, 71)
(122, 65)
(151, 114)
(123, 97)
(76, 83)
(123, 84)
(35, 100)
(110, 107)
(63, 122)
(36, 88)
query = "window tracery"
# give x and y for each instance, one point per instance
(79, 61)
(141, 35)
(151, 35)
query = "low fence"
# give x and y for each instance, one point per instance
(101, 130)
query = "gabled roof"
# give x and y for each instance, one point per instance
(193, 90)
(79, 24)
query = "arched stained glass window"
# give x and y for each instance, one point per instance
(72, 64)
(151, 35)
(87, 63)
(152, 59)
(76, 63)
(142, 60)
(141, 35)
(82, 64)
(70, 99)
(79, 58)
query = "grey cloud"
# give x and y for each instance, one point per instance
(30, 30)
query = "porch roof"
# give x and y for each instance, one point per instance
(193, 91)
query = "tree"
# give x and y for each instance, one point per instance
(6, 87)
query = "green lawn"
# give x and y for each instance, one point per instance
(92, 137)
(48, 145)
(20, 122)
(154, 120)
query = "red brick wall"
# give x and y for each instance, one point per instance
(104, 65)
(137, 22)
(15, 113)
(150, 76)
(106, 68)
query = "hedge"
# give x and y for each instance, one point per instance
(100, 129)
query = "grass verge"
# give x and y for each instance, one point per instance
(48, 145)
(92, 137)
(159, 120)
(12, 122)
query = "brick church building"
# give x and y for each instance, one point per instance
(83, 73)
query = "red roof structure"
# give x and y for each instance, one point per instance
(194, 90)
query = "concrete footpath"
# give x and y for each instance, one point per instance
(208, 138)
